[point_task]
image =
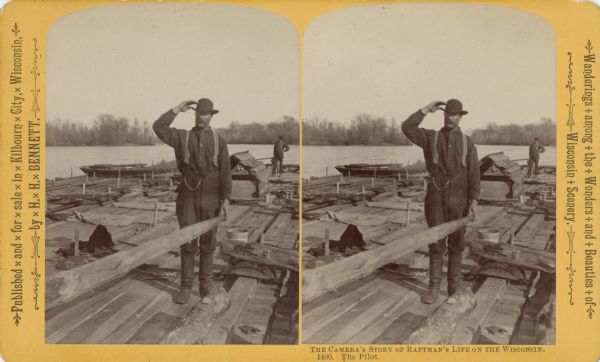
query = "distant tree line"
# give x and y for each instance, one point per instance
(513, 134)
(259, 133)
(107, 130)
(364, 129)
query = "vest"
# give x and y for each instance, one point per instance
(436, 156)
(186, 148)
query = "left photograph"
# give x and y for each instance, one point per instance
(172, 176)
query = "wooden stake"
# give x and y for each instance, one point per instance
(83, 188)
(109, 191)
(363, 193)
(337, 187)
(76, 241)
(140, 185)
(170, 185)
(144, 177)
(86, 178)
(155, 214)
(407, 212)
(326, 244)
(372, 181)
(544, 198)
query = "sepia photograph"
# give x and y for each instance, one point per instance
(429, 176)
(172, 176)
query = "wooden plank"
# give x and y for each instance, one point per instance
(499, 325)
(516, 255)
(377, 234)
(411, 317)
(140, 296)
(485, 297)
(155, 328)
(333, 296)
(239, 295)
(65, 285)
(138, 318)
(440, 326)
(147, 204)
(330, 276)
(541, 301)
(152, 233)
(400, 233)
(398, 205)
(262, 254)
(369, 333)
(280, 224)
(324, 313)
(252, 325)
(530, 228)
(55, 331)
(167, 319)
(387, 297)
(78, 335)
(351, 317)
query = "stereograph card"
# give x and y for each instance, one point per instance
(299, 180)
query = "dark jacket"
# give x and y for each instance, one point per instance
(449, 147)
(535, 149)
(279, 148)
(201, 147)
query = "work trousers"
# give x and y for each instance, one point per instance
(447, 200)
(532, 165)
(277, 165)
(192, 206)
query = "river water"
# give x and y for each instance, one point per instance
(317, 160)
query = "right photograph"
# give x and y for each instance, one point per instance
(429, 176)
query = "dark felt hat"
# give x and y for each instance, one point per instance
(205, 106)
(454, 106)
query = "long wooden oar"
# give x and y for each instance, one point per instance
(66, 285)
(333, 275)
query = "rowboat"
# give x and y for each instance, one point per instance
(131, 169)
(380, 170)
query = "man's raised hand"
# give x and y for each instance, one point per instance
(183, 106)
(432, 107)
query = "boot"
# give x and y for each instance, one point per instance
(454, 274)
(187, 278)
(205, 273)
(435, 277)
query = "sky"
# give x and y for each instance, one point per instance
(391, 60)
(140, 60)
